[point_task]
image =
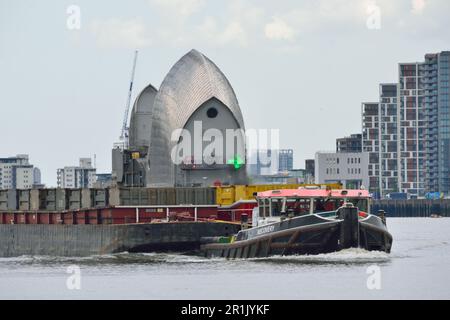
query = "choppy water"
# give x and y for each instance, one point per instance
(417, 268)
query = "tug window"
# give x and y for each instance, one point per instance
(328, 204)
(261, 208)
(297, 206)
(264, 208)
(361, 204)
(319, 205)
(277, 207)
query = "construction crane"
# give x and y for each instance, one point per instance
(124, 133)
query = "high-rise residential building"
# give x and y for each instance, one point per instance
(434, 87)
(407, 133)
(388, 138)
(371, 142)
(83, 176)
(353, 143)
(16, 173)
(425, 125)
(285, 160)
(380, 124)
(412, 128)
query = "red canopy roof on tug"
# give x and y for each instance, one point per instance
(314, 193)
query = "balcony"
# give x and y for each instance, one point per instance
(429, 80)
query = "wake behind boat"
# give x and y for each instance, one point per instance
(305, 221)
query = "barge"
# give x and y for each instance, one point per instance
(87, 240)
(108, 230)
(305, 221)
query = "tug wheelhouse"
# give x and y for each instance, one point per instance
(277, 205)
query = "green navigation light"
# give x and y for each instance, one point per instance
(236, 161)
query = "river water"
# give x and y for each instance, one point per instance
(417, 268)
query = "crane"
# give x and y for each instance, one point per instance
(124, 133)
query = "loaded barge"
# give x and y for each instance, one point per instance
(83, 222)
(101, 231)
(305, 221)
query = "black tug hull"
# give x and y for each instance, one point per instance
(314, 235)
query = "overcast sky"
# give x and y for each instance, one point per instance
(301, 66)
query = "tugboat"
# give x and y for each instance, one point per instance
(305, 221)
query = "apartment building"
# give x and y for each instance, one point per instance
(407, 132)
(16, 172)
(82, 176)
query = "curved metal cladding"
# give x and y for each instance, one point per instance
(141, 117)
(192, 81)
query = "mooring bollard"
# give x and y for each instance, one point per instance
(349, 233)
(382, 215)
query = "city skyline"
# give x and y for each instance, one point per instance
(77, 80)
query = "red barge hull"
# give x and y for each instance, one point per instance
(98, 231)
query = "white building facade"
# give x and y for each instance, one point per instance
(349, 169)
(16, 173)
(83, 176)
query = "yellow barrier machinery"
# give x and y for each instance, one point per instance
(227, 195)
